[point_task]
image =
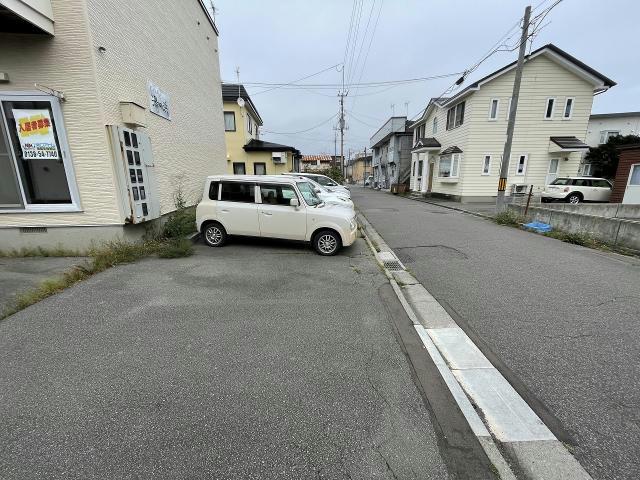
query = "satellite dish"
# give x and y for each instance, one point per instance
(241, 102)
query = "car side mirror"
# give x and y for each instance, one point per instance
(294, 202)
(317, 190)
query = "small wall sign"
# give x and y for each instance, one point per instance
(158, 101)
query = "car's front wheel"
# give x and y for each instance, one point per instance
(326, 242)
(574, 198)
(214, 235)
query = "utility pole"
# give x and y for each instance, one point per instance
(342, 94)
(504, 168)
(364, 168)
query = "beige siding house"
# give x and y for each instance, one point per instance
(107, 111)
(458, 141)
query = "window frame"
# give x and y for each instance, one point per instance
(249, 124)
(278, 184)
(484, 158)
(509, 108)
(546, 108)
(452, 115)
(434, 128)
(455, 159)
(631, 171)
(497, 114)
(235, 126)
(517, 164)
(606, 135)
(264, 164)
(244, 166)
(564, 110)
(65, 152)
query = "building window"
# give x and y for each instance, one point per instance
(260, 168)
(237, 192)
(553, 166)
(634, 177)
(521, 167)
(586, 169)
(239, 168)
(509, 107)
(435, 125)
(548, 112)
(449, 166)
(249, 124)
(493, 109)
(229, 122)
(607, 134)
(455, 116)
(35, 170)
(568, 108)
(486, 165)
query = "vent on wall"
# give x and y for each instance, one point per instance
(33, 229)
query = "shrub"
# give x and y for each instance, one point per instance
(180, 223)
(509, 217)
(175, 248)
(335, 173)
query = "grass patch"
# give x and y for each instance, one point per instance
(510, 218)
(175, 248)
(584, 239)
(58, 251)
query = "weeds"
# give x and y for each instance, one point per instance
(58, 251)
(176, 248)
(510, 218)
(582, 238)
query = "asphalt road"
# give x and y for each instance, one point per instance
(562, 322)
(247, 362)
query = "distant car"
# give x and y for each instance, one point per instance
(326, 182)
(368, 181)
(327, 196)
(578, 189)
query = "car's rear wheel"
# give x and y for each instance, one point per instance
(326, 242)
(574, 198)
(214, 235)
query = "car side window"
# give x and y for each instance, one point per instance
(273, 194)
(581, 182)
(601, 183)
(213, 190)
(237, 192)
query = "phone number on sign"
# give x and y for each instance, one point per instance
(40, 154)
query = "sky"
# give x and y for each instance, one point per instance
(280, 41)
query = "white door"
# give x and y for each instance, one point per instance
(632, 193)
(277, 218)
(552, 173)
(237, 208)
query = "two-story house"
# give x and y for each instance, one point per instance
(391, 152)
(246, 152)
(100, 126)
(458, 141)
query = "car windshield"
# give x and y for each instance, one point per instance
(318, 186)
(309, 195)
(561, 181)
(324, 181)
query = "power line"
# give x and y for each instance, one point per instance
(361, 121)
(302, 131)
(364, 63)
(298, 80)
(364, 38)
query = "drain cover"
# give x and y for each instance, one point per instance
(393, 265)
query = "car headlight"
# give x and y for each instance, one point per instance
(353, 224)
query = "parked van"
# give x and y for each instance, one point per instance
(329, 183)
(272, 206)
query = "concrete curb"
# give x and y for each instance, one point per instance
(512, 436)
(458, 209)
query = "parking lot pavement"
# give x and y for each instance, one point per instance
(249, 361)
(20, 274)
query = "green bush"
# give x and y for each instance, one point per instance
(509, 217)
(180, 223)
(175, 248)
(335, 173)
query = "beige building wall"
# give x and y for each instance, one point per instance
(169, 43)
(65, 63)
(173, 45)
(542, 78)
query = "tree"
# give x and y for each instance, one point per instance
(604, 158)
(335, 173)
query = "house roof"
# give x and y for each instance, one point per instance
(231, 92)
(597, 116)
(433, 100)
(255, 145)
(550, 48)
(316, 158)
(427, 142)
(569, 142)
(450, 150)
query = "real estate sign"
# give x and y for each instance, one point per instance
(35, 132)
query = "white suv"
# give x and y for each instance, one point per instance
(273, 206)
(578, 189)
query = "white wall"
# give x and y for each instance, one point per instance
(625, 125)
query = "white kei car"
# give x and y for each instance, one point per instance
(578, 189)
(326, 182)
(328, 196)
(272, 206)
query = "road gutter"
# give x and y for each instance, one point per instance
(512, 436)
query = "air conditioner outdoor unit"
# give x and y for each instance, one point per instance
(279, 158)
(519, 188)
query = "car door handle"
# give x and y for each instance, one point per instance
(267, 213)
(224, 210)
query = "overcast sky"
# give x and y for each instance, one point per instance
(278, 41)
